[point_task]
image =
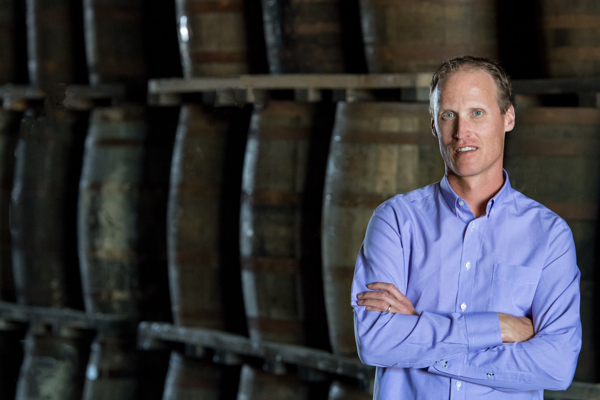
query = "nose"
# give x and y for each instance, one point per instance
(462, 129)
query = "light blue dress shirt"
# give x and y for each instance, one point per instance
(459, 272)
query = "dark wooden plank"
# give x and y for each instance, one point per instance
(577, 391)
(317, 359)
(557, 86)
(64, 316)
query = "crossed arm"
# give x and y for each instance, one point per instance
(385, 297)
(496, 350)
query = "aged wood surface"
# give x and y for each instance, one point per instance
(416, 36)
(279, 352)
(552, 157)
(571, 35)
(193, 223)
(212, 37)
(378, 150)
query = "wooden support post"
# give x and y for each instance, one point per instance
(194, 350)
(225, 357)
(275, 366)
(225, 97)
(353, 95)
(310, 95)
(526, 101)
(311, 374)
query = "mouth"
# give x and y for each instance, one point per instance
(465, 149)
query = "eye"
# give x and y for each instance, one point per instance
(448, 115)
(478, 113)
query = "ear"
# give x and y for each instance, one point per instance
(509, 119)
(433, 130)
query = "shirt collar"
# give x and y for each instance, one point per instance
(454, 201)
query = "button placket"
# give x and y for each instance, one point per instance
(469, 250)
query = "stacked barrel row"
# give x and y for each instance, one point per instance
(112, 172)
(108, 41)
(552, 157)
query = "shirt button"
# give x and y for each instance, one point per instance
(472, 227)
(468, 265)
(461, 203)
(463, 306)
(458, 385)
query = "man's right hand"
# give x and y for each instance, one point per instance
(515, 329)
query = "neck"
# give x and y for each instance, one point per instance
(477, 190)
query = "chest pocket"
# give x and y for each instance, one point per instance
(513, 288)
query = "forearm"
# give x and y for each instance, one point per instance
(407, 341)
(540, 363)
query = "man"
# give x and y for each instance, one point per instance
(467, 289)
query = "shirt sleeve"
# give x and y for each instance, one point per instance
(408, 341)
(549, 359)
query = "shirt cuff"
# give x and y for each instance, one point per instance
(483, 330)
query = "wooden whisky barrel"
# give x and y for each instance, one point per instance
(303, 36)
(416, 35)
(212, 37)
(571, 31)
(274, 178)
(54, 365)
(112, 370)
(9, 131)
(11, 354)
(50, 42)
(552, 156)
(190, 378)
(42, 216)
(193, 223)
(377, 150)
(258, 385)
(122, 189)
(341, 391)
(7, 50)
(114, 41)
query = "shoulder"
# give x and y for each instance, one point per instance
(543, 221)
(403, 205)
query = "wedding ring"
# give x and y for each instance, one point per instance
(389, 309)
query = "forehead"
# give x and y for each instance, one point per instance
(467, 85)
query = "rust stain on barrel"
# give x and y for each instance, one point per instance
(271, 265)
(202, 7)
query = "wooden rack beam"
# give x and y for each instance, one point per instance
(17, 97)
(66, 317)
(577, 391)
(150, 332)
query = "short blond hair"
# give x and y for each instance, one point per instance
(504, 87)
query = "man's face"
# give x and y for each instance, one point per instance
(468, 123)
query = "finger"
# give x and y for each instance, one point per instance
(375, 295)
(388, 287)
(375, 305)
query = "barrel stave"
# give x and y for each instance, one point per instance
(7, 42)
(274, 176)
(112, 369)
(114, 41)
(416, 36)
(192, 379)
(54, 365)
(552, 157)
(108, 217)
(206, 48)
(571, 33)
(303, 37)
(193, 219)
(377, 150)
(42, 200)
(257, 385)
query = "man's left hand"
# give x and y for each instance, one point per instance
(385, 297)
